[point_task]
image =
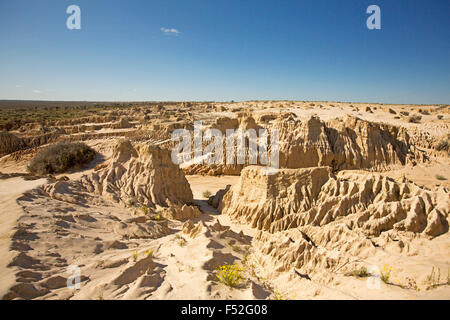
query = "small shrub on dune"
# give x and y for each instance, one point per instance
(443, 145)
(158, 217)
(180, 240)
(131, 202)
(415, 119)
(206, 194)
(60, 157)
(145, 210)
(359, 273)
(385, 273)
(278, 295)
(236, 248)
(433, 279)
(150, 252)
(230, 274)
(135, 256)
(160, 214)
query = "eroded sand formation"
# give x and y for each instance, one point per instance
(343, 143)
(357, 187)
(317, 222)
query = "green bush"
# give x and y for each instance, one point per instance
(60, 157)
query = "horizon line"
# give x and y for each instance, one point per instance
(217, 101)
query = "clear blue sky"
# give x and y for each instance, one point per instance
(226, 49)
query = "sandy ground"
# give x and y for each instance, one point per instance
(425, 174)
(10, 211)
(200, 184)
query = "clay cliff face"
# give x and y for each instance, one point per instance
(347, 143)
(370, 202)
(141, 173)
(10, 143)
(315, 221)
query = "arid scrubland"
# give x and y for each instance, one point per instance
(359, 208)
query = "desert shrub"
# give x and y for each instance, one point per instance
(442, 145)
(158, 217)
(230, 274)
(135, 256)
(386, 273)
(60, 157)
(433, 279)
(360, 273)
(150, 252)
(278, 295)
(236, 248)
(180, 240)
(415, 119)
(411, 284)
(132, 202)
(145, 210)
(206, 194)
(246, 257)
(161, 213)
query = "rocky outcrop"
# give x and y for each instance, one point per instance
(184, 212)
(262, 200)
(348, 143)
(10, 143)
(140, 173)
(191, 229)
(123, 123)
(225, 123)
(216, 199)
(316, 222)
(345, 143)
(371, 203)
